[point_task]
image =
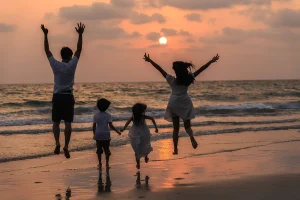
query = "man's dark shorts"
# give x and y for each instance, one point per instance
(63, 107)
(103, 145)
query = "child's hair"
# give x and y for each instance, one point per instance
(103, 104)
(138, 112)
(182, 71)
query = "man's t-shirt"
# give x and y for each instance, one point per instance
(102, 130)
(63, 74)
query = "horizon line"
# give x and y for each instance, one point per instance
(222, 80)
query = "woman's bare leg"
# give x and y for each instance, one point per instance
(189, 130)
(175, 134)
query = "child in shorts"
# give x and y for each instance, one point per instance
(102, 123)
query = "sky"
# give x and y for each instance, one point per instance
(256, 39)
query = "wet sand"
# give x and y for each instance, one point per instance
(251, 165)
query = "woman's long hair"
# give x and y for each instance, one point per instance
(138, 112)
(183, 73)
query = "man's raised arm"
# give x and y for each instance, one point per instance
(46, 43)
(80, 29)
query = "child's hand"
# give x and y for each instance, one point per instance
(156, 130)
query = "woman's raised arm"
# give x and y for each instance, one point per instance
(148, 59)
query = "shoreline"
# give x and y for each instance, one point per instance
(165, 134)
(248, 162)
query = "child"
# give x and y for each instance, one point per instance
(139, 133)
(180, 105)
(101, 130)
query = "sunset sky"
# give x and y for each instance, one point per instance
(256, 39)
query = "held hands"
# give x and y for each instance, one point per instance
(215, 58)
(45, 30)
(119, 132)
(80, 28)
(147, 58)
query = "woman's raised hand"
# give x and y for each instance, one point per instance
(147, 58)
(215, 58)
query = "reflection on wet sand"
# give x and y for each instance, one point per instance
(139, 185)
(107, 186)
(68, 195)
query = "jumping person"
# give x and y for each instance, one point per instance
(180, 105)
(63, 99)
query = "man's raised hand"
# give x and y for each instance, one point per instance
(80, 28)
(45, 30)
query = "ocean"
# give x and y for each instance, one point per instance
(222, 107)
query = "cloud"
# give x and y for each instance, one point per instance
(140, 18)
(168, 31)
(285, 18)
(7, 27)
(172, 32)
(194, 17)
(211, 21)
(110, 33)
(207, 4)
(153, 36)
(189, 40)
(236, 36)
(158, 46)
(96, 11)
(123, 3)
(184, 33)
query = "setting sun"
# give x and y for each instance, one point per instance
(163, 40)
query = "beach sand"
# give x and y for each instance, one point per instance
(249, 165)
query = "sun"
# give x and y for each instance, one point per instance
(163, 40)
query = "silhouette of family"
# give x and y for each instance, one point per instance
(179, 106)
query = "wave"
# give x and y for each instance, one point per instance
(30, 103)
(195, 124)
(161, 136)
(83, 114)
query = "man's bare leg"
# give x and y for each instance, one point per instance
(56, 133)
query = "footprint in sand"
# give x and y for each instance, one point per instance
(178, 179)
(38, 182)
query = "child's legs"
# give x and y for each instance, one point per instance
(105, 146)
(175, 131)
(99, 151)
(137, 159)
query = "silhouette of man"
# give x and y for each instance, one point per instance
(63, 99)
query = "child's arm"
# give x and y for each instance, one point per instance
(148, 59)
(201, 69)
(113, 128)
(94, 128)
(153, 121)
(127, 123)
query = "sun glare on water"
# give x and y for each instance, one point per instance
(163, 40)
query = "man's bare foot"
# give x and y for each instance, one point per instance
(146, 159)
(67, 153)
(175, 152)
(57, 149)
